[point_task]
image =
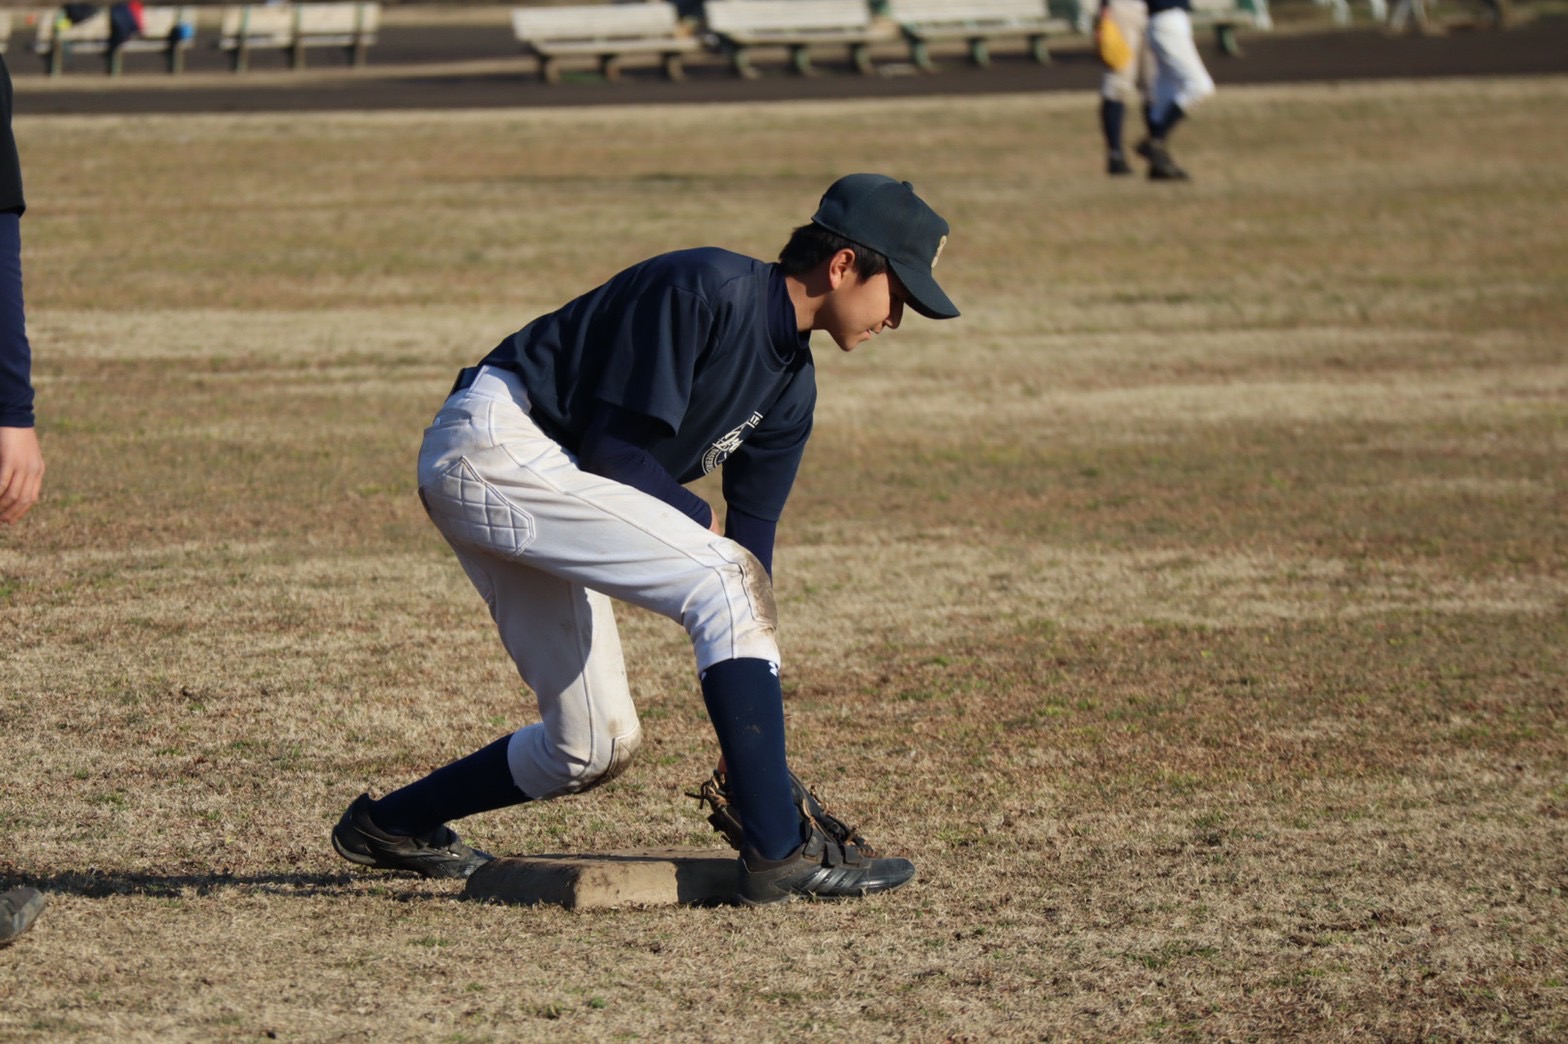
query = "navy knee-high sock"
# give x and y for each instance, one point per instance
(478, 783)
(1173, 116)
(1112, 114)
(746, 706)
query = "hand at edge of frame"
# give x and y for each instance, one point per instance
(21, 473)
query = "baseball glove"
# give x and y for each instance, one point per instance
(1112, 46)
(714, 794)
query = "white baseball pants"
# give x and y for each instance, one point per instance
(1180, 77)
(548, 545)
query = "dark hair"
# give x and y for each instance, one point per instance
(810, 245)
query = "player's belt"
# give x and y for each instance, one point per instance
(468, 374)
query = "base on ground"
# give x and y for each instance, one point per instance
(598, 881)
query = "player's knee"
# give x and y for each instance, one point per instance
(1194, 90)
(733, 615)
(606, 759)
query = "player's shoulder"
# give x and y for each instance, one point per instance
(710, 263)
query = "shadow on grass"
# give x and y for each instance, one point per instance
(97, 884)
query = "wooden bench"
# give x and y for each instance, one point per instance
(738, 26)
(605, 32)
(165, 30)
(5, 29)
(974, 22)
(295, 27)
(1226, 16)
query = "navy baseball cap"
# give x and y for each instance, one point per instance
(884, 214)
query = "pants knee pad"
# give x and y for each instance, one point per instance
(543, 769)
(601, 770)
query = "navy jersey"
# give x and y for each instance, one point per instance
(704, 342)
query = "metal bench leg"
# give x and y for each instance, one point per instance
(175, 59)
(674, 71)
(740, 61)
(1038, 48)
(978, 53)
(800, 59)
(920, 55)
(297, 55)
(57, 57)
(113, 60)
(1225, 36)
(549, 70)
(860, 54)
(610, 68)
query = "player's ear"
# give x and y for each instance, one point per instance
(840, 267)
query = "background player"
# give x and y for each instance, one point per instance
(21, 461)
(555, 472)
(1130, 82)
(1180, 82)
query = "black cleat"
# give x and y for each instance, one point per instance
(19, 908)
(437, 854)
(1161, 166)
(1116, 165)
(821, 868)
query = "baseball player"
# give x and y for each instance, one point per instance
(555, 469)
(21, 462)
(1180, 82)
(1119, 85)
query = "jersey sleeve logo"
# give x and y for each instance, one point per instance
(720, 451)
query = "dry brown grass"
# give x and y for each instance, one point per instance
(1192, 610)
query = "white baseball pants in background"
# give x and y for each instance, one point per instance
(1180, 77)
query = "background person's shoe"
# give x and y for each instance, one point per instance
(437, 854)
(824, 868)
(1161, 166)
(19, 908)
(1117, 165)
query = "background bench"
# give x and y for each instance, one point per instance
(295, 27)
(604, 32)
(974, 22)
(165, 30)
(1226, 16)
(799, 25)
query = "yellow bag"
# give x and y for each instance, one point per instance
(1112, 45)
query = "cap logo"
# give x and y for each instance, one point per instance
(938, 255)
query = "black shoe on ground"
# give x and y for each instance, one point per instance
(823, 868)
(437, 854)
(19, 908)
(1116, 165)
(1161, 166)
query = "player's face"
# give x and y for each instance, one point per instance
(862, 308)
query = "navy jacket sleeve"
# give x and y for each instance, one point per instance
(16, 390)
(753, 533)
(613, 447)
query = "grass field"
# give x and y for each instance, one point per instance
(1192, 610)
